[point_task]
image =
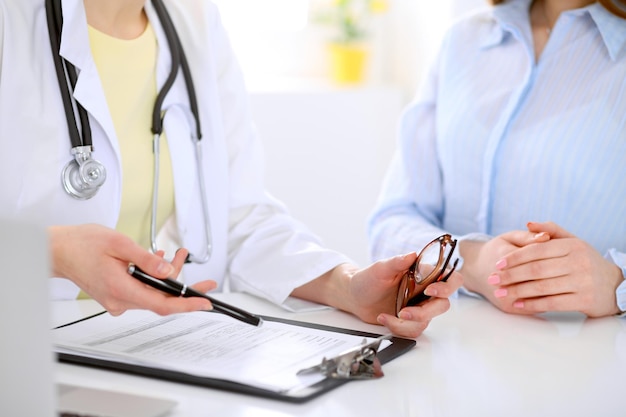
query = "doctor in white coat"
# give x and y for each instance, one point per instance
(256, 246)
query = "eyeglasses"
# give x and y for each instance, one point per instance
(432, 264)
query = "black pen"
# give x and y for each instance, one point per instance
(179, 289)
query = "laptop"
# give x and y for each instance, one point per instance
(27, 382)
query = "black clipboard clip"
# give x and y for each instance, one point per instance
(358, 363)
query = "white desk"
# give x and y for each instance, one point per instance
(472, 361)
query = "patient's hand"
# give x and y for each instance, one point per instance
(562, 274)
(479, 269)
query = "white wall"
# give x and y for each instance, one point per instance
(326, 152)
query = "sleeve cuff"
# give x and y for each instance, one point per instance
(620, 293)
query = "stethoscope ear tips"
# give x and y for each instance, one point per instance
(82, 180)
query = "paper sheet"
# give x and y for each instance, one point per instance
(208, 345)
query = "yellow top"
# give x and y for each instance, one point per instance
(127, 70)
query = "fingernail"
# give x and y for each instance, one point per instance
(431, 292)
(501, 264)
(405, 315)
(381, 319)
(493, 279)
(540, 235)
(500, 292)
(518, 304)
(165, 268)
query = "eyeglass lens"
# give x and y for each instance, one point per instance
(432, 264)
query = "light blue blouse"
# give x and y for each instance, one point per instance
(496, 138)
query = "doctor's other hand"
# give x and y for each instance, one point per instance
(96, 259)
(562, 274)
(370, 294)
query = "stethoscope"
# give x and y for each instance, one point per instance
(83, 175)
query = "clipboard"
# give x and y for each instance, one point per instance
(396, 347)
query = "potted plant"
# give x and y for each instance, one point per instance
(350, 22)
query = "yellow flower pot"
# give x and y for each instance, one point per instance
(348, 63)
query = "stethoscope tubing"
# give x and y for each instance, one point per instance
(179, 60)
(65, 72)
(76, 175)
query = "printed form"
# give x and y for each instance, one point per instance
(208, 345)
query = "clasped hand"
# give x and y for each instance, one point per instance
(548, 269)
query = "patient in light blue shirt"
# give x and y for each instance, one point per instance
(516, 145)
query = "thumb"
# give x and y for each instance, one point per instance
(522, 238)
(551, 228)
(403, 262)
(394, 268)
(150, 263)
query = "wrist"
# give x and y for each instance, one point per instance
(468, 251)
(331, 288)
(620, 293)
(469, 246)
(55, 240)
(339, 294)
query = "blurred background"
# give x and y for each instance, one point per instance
(328, 80)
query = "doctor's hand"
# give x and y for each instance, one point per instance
(375, 290)
(96, 259)
(562, 274)
(370, 294)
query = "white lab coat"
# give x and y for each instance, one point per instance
(256, 244)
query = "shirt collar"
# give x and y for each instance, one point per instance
(512, 18)
(612, 29)
(508, 18)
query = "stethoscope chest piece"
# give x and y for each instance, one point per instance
(83, 176)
